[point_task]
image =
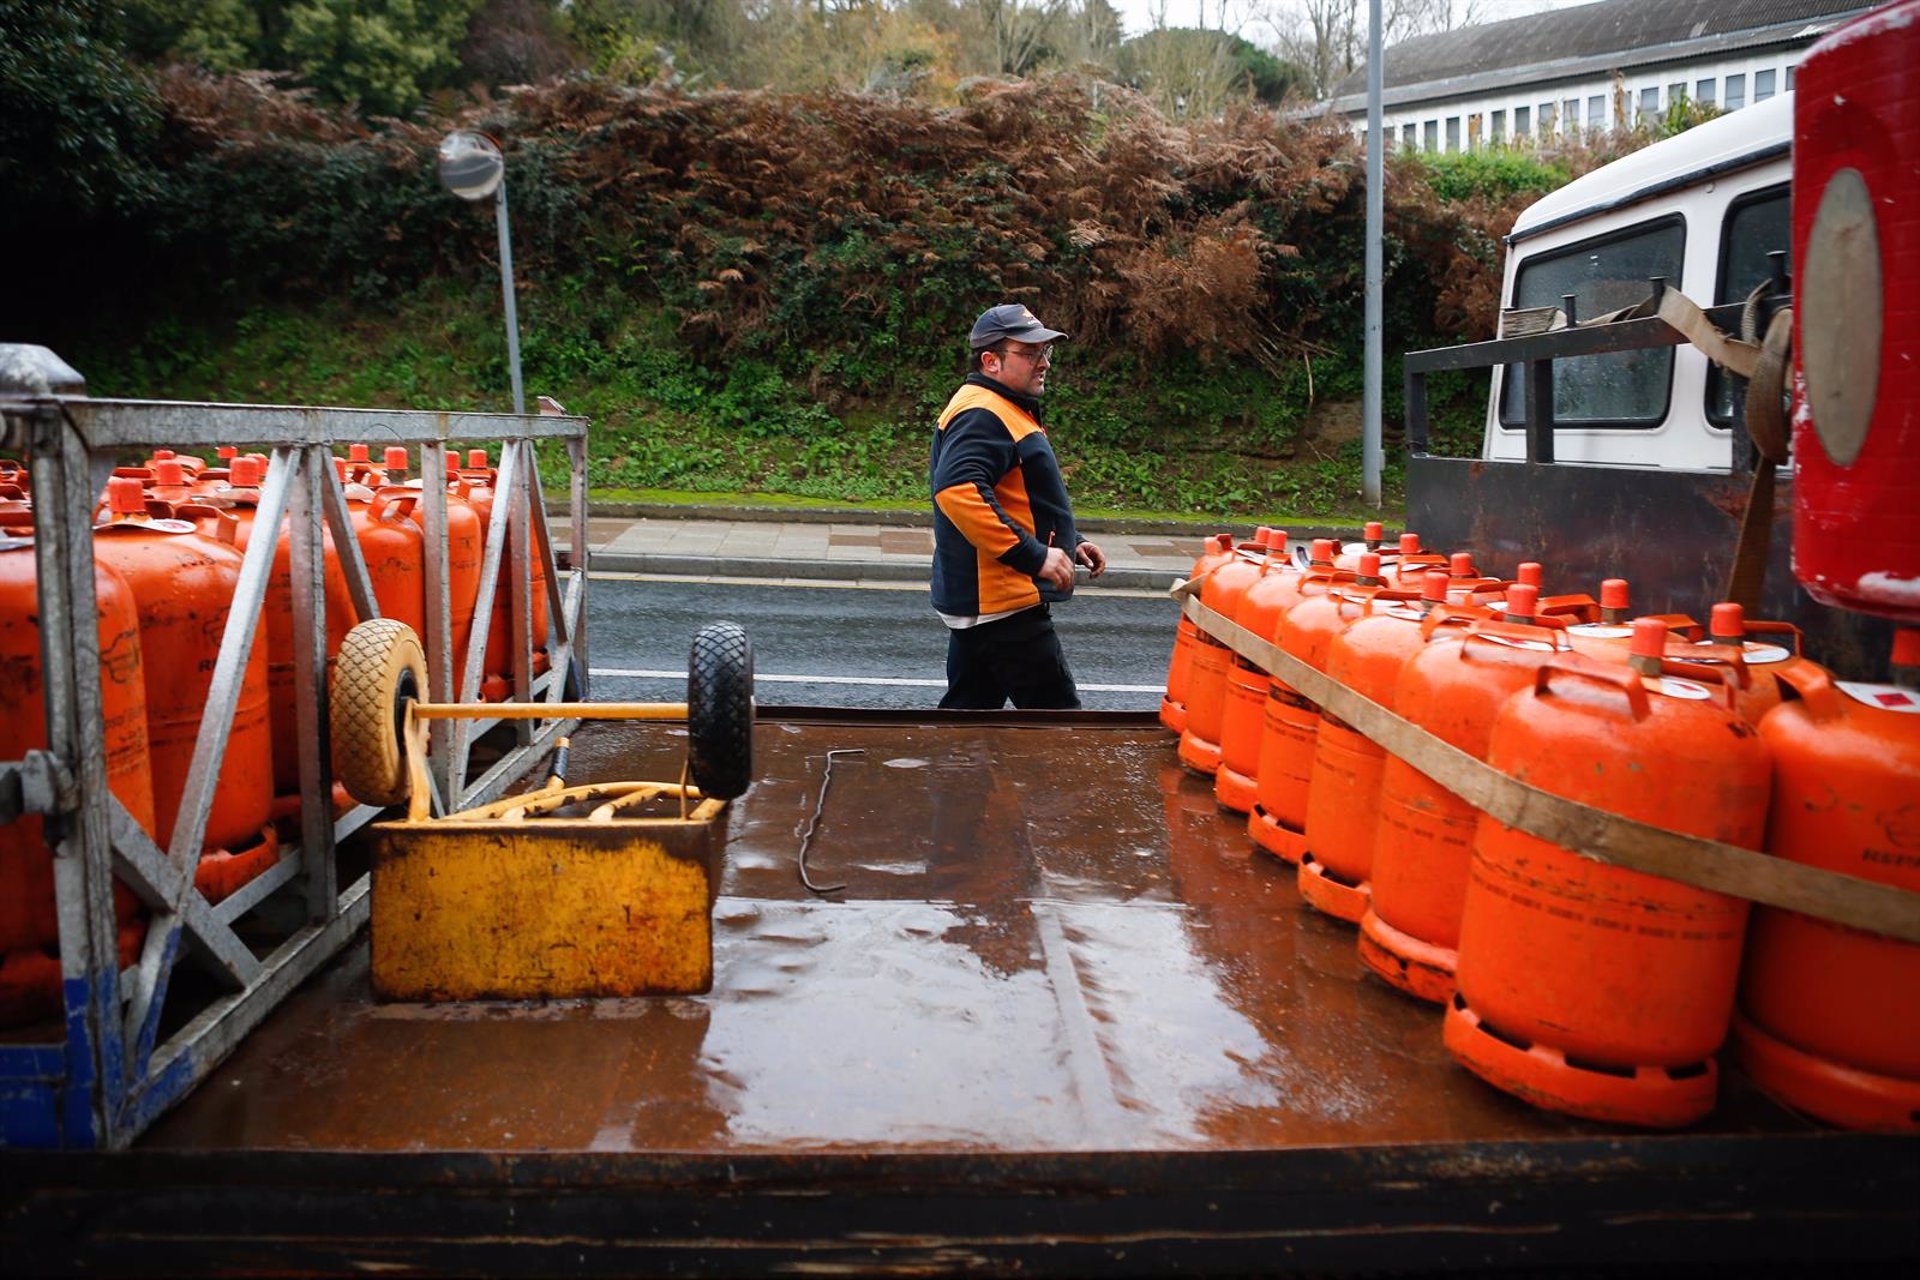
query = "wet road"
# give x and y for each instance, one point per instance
(871, 646)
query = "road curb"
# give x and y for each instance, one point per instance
(683, 566)
(920, 519)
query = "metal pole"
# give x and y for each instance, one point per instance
(506, 290)
(307, 575)
(1370, 454)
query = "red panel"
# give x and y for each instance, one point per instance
(1856, 528)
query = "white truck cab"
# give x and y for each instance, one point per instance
(1703, 210)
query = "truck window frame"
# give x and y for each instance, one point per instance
(1510, 376)
(1710, 410)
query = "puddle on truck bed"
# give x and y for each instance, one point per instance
(1051, 939)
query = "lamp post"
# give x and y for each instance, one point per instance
(472, 168)
(1371, 459)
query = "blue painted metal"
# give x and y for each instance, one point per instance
(30, 1113)
(77, 1101)
(152, 1096)
(31, 1061)
(30, 1080)
(47, 1090)
(148, 1033)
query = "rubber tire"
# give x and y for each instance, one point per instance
(720, 710)
(380, 668)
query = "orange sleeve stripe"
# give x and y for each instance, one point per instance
(978, 522)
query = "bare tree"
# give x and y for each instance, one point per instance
(1020, 30)
(1189, 73)
(1329, 37)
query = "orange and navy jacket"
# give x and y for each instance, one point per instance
(998, 502)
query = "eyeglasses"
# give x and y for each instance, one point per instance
(1034, 355)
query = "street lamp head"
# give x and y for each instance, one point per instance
(471, 165)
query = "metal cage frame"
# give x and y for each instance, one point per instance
(112, 1075)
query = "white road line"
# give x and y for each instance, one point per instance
(638, 673)
(849, 584)
(813, 584)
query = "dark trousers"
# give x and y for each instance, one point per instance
(1017, 658)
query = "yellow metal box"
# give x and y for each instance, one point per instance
(543, 909)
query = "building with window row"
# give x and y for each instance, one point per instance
(1593, 67)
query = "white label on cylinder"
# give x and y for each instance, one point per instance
(1882, 697)
(1671, 687)
(1759, 655)
(1517, 642)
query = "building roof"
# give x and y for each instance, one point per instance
(1591, 37)
(1760, 133)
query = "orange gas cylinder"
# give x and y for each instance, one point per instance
(1244, 712)
(244, 475)
(1568, 609)
(171, 484)
(221, 871)
(183, 584)
(213, 481)
(1607, 635)
(1563, 611)
(1593, 989)
(360, 467)
(188, 463)
(1830, 1016)
(1467, 587)
(1207, 687)
(1453, 687)
(29, 927)
(395, 551)
(1278, 820)
(1173, 706)
(499, 660)
(478, 469)
(1768, 650)
(1611, 637)
(1343, 790)
(1405, 569)
(1373, 537)
(16, 512)
(276, 619)
(466, 546)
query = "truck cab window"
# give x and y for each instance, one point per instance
(1756, 225)
(1627, 389)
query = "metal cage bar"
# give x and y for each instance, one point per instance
(108, 1079)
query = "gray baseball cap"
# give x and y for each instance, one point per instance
(1009, 320)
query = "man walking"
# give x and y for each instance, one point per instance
(1004, 545)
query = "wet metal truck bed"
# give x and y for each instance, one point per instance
(1059, 1020)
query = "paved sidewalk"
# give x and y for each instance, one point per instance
(840, 550)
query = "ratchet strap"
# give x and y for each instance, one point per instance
(1765, 363)
(1736, 355)
(1580, 828)
(1767, 423)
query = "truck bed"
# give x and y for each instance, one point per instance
(1060, 1019)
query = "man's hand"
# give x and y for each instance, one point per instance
(1057, 570)
(1091, 556)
